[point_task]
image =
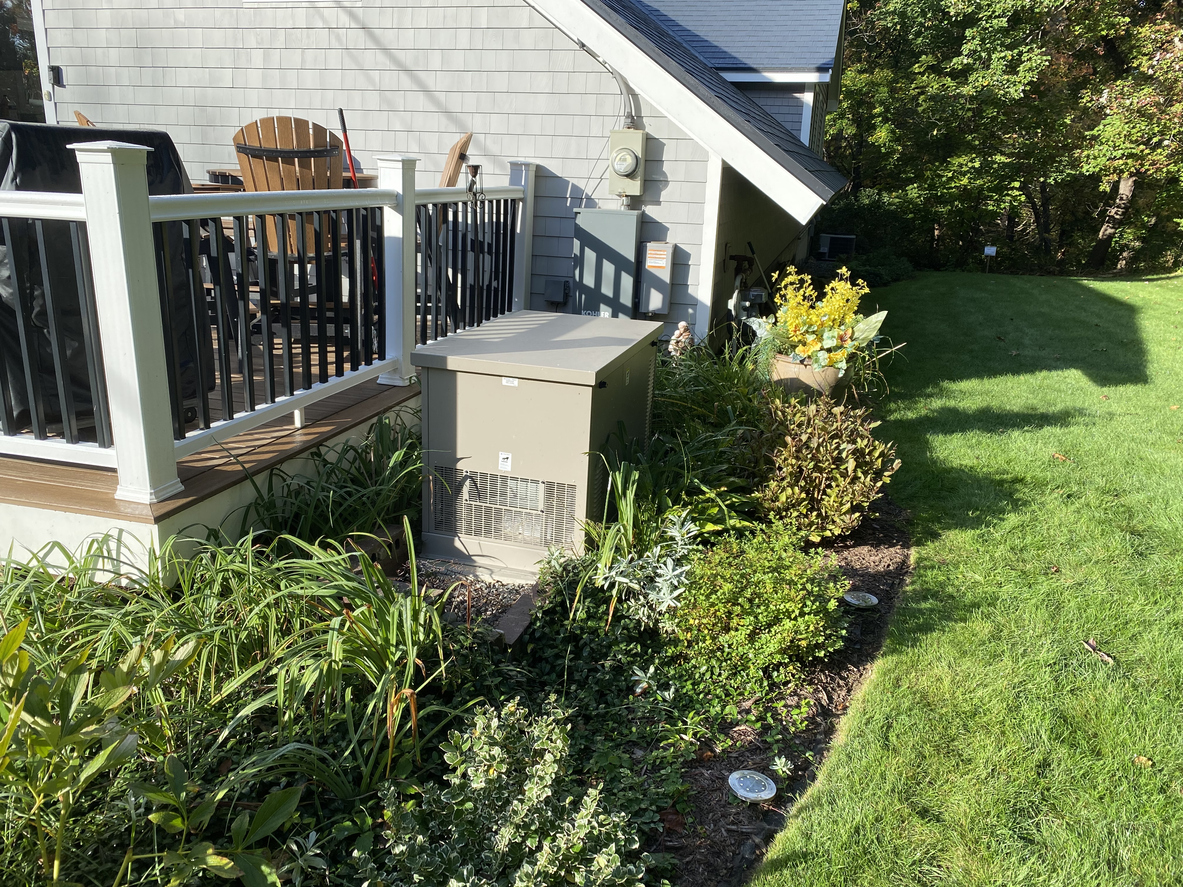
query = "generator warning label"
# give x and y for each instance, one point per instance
(505, 461)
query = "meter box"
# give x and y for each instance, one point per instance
(626, 162)
(515, 415)
(605, 261)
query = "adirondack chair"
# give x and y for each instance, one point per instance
(293, 154)
(288, 154)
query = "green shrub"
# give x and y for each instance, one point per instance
(880, 268)
(352, 488)
(511, 813)
(710, 412)
(756, 608)
(827, 468)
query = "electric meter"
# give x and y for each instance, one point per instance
(625, 162)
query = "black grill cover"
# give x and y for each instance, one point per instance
(35, 157)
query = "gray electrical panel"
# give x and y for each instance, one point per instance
(606, 242)
(515, 413)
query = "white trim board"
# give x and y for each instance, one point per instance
(775, 76)
(708, 259)
(685, 109)
(48, 96)
(806, 120)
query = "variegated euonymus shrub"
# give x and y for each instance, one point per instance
(511, 814)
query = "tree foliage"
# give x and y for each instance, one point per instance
(1040, 126)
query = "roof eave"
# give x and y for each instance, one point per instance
(797, 191)
(776, 75)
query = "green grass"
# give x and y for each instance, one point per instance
(989, 746)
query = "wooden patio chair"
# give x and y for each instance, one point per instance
(82, 119)
(288, 154)
(454, 165)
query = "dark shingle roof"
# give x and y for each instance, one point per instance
(696, 75)
(762, 35)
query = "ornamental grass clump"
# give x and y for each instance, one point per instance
(822, 331)
(827, 468)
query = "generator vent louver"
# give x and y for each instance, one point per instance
(502, 507)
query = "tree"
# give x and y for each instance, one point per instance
(1003, 120)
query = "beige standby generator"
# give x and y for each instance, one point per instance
(515, 413)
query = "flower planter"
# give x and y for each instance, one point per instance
(793, 377)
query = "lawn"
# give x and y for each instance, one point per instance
(1040, 423)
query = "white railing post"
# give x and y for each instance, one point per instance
(127, 302)
(522, 173)
(398, 223)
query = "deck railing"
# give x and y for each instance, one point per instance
(52, 386)
(466, 253)
(203, 316)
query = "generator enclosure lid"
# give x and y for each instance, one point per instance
(571, 348)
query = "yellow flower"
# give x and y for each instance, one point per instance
(803, 318)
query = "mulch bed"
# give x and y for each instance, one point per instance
(723, 838)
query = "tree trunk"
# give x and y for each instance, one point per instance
(1041, 214)
(1114, 219)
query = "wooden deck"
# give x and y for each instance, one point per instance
(81, 490)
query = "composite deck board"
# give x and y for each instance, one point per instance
(84, 490)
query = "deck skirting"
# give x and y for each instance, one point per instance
(44, 502)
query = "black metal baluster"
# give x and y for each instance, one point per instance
(504, 263)
(199, 315)
(17, 268)
(91, 340)
(478, 259)
(338, 295)
(432, 256)
(380, 306)
(223, 278)
(265, 304)
(450, 295)
(367, 302)
(164, 282)
(495, 270)
(442, 228)
(245, 361)
(421, 293)
(283, 269)
(305, 314)
(322, 328)
(57, 342)
(356, 282)
(511, 253)
(7, 418)
(465, 270)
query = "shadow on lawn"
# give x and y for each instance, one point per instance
(975, 326)
(945, 497)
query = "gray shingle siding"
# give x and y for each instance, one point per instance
(800, 35)
(411, 75)
(782, 102)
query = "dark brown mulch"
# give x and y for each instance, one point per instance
(718, 844)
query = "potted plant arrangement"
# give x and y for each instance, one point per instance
(817, 339)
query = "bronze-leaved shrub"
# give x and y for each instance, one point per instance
(827, 467)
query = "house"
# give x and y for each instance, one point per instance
(732, 96)
(731, 99)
